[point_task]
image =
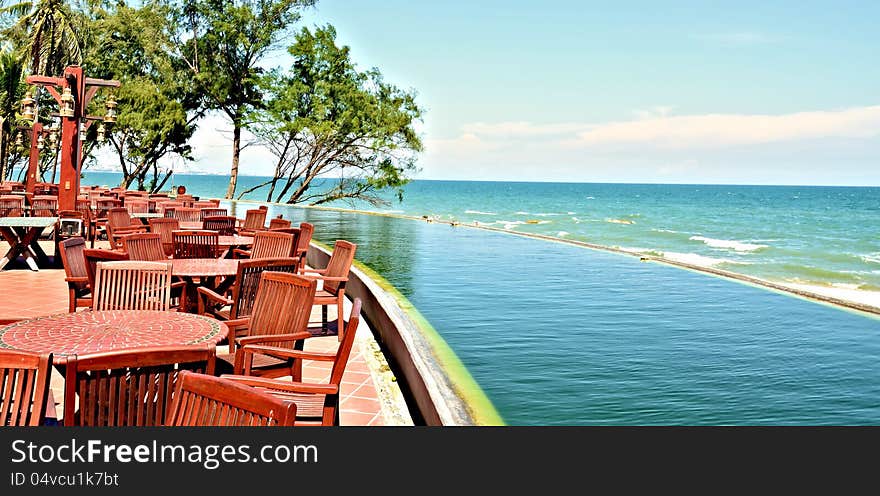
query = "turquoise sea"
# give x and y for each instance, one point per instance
(825, 236)
(556, 334)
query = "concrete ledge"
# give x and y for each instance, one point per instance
(436, 382)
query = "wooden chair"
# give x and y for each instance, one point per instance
(44, 206)
(268, 244)
(203, 400)
(186, 199)
(11, 206)
(119, 224)
(206, 204)
(184, 214)
(306, 230)
(316, 403)
(334, 277)
(224, 225)
(279, 317)
(84, 206)
(196, 244)
(135, 205)
(278, 223)
(103, 205)
(164, 227)
(213, 212)
(132, 286)
(94, 256)
(254, 220)
(24, 387)
(162, 206)
(128, 387)
(238, 302)
(145, 247)
(76, 273)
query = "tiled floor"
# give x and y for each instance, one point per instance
(26, 294)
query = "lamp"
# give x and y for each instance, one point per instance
(102, 132)
(27, 107)
(40, 144)
(18, 141)
(66, 103)
(110, 117)
(82, 131)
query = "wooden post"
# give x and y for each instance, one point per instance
(30, 180)
(68, 185)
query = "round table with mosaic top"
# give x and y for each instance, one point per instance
(90, 332)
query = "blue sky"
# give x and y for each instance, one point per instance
(679, 92)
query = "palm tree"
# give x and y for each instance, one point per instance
(48, 34)
(11, 89)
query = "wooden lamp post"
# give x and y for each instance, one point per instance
(76, 93)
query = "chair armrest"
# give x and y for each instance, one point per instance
(271, 338)
(278, 352)
(214, 296)
(242, 252)
(77, 279)
(283, 386)
(317, 271)
(325, 278)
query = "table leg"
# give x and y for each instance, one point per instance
(11, 238)
(30, 247)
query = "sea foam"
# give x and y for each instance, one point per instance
(477, 212)
(728, 244)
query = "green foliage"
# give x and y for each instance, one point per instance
(223, 43)
(11, 91)
(325, 118)
(47, 34)
(158, 105)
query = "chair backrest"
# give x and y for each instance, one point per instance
(184, 214)
(145, 247)
(186, 199)
(213, 212)
(247, 281)
(164, 227)
(135, 205)
(203, 400)
(254, 219)
(74, 260)
(206, 204)
(278, 223)
(11, 206)
(268, 244)
(24, 387)
(84, 205)
(282, 306)
(339, 264)
(94, 256)
(161, 206)
(118, 217)
(128, 387)
(103, 206)
(44, 206)
(223, 224)
(132, 286)
(307, 230)
(196, 244)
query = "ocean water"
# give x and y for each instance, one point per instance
(820, 236)
(557, 334)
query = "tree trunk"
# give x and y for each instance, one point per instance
(236, 151)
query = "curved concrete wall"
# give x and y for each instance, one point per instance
(436, 383)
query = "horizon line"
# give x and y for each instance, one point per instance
(552, 181)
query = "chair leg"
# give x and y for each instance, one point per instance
(324, 319)
(339, 324)
(72, 305)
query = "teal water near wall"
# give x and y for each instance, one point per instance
(561, 335)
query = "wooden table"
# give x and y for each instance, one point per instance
(22, 234)
(191, 226)
(206, 270)
(89, 332)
